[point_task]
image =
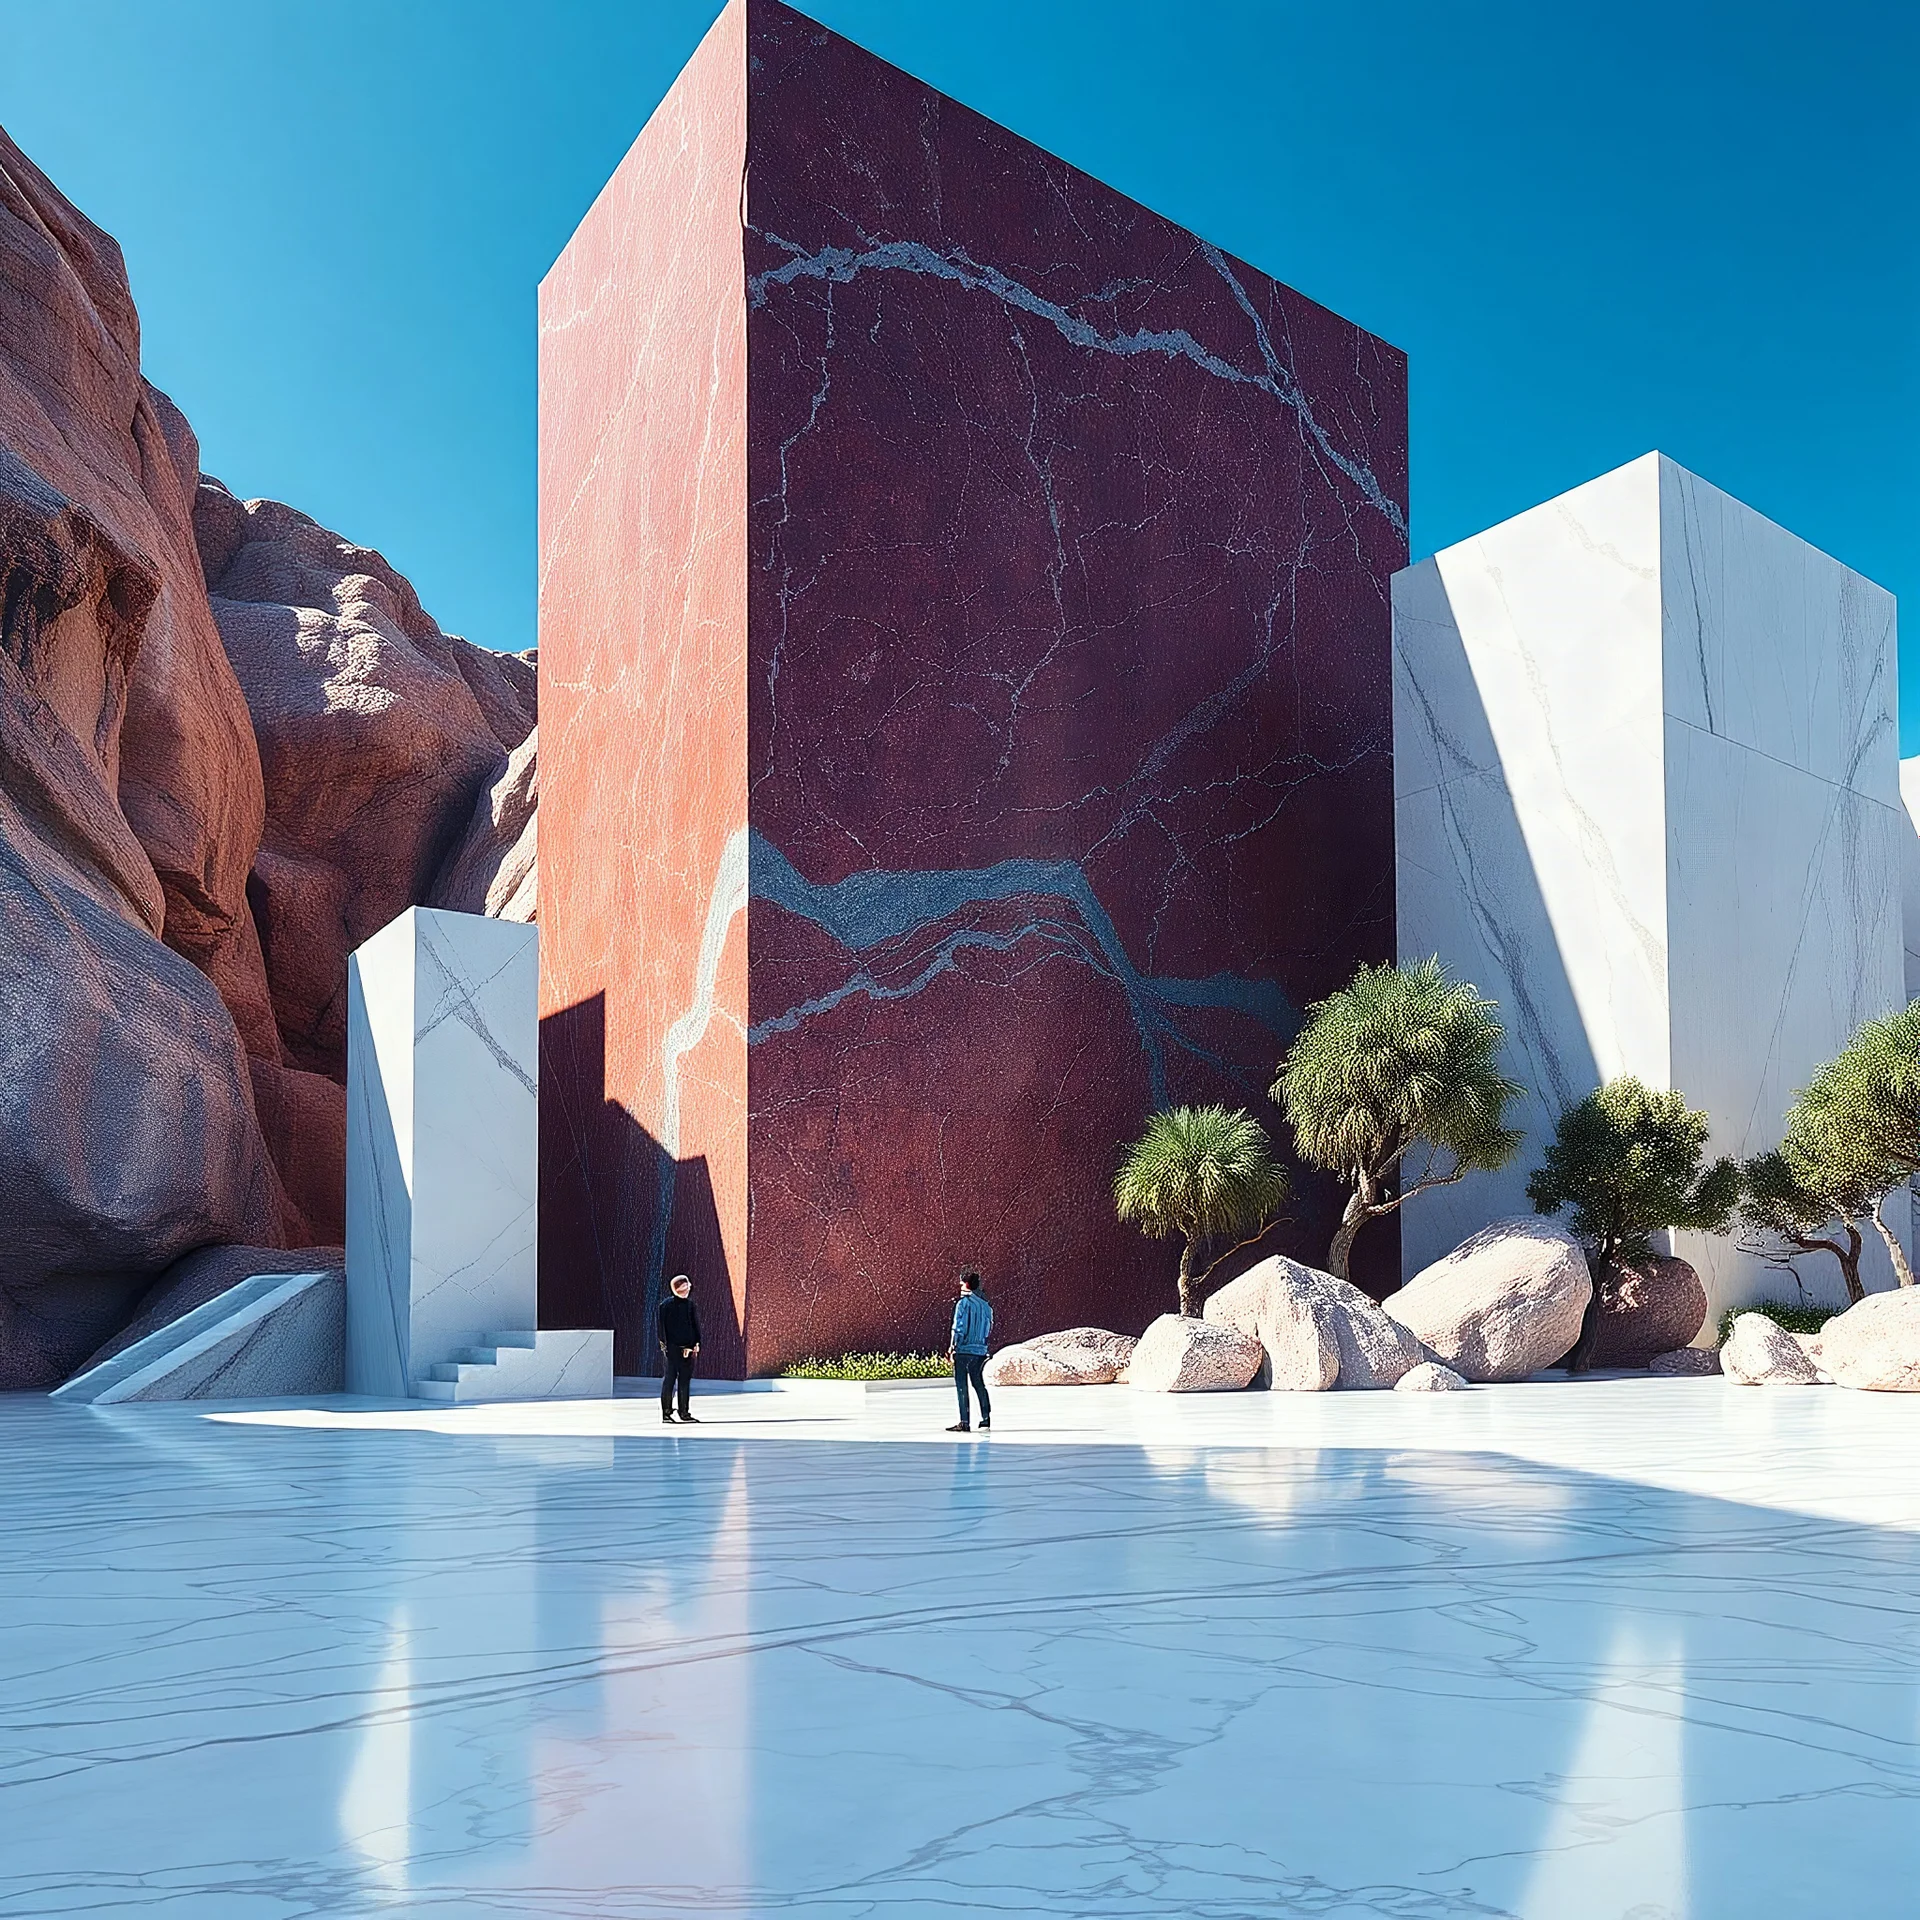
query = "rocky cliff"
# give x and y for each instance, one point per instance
(232, 746)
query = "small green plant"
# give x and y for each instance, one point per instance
(1398, 1058)
(1197, 1174)
(870, 1366)
(1794, 1319)
(1628, 1162)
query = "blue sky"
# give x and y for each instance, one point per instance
(1594, 230)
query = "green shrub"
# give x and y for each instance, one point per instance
(870, 1366)
(1794, 1319)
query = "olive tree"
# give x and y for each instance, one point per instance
(1796, 1202)
(1196, 1174)
(1856, 1124)
(1628, 1162)
(1401, 1058)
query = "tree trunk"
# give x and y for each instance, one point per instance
(1580, 1360)
(1850, 1264)
(1895, 1251)
(1358, 1212)
(1342, 1247)
(1186, 1279)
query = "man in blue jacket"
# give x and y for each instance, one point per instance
(972, 1322)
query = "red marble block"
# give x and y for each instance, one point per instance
(966, 708)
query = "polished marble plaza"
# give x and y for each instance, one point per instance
(1617, 1651)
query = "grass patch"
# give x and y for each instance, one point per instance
(871, 1366)
(1794, 1319)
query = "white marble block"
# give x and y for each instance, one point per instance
(1647, 798)
(442, 1143)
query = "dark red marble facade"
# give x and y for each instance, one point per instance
(1067, 710)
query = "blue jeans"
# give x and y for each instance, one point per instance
(972, 1366)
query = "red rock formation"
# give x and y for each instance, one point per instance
(494, 866)
(378, 735)
(127, 1131)
(150, 1107)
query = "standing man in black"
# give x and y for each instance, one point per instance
(679, 1331)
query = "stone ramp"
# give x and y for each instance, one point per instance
(272, 1333)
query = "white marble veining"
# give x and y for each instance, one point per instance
(442, 1142)
(1647, 801)
(1644, 1649)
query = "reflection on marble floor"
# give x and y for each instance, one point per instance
(1612, 1652)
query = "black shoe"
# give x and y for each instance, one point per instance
(985, 1424)
(962, 1428)
(668, 1418)
(689, 1419)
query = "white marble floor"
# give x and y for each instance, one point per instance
(1629, 1650)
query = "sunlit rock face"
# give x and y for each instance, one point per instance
(968, 724)
(174, 921)
(130, 802)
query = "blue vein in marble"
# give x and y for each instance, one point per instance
(866, 910)
(836, 266)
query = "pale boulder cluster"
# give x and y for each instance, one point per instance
(1874, 1346)
(1501, 1306)
(1505, 1304)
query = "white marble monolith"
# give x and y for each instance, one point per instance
(442, 1143)
(1647, 798)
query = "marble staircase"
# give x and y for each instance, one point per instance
(552, 1364)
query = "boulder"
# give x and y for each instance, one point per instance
(1684, 1361)
(1809, 1344)
(1182, 1355)
(1317, 1332)
(1501, 1305)
(1429, 1377)
(1655, 1305)
(127, 1134)
(1758, 1353)
(1875, 1344)
(1079, 1357)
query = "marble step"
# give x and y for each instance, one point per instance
(484, 1356)
(553, 1364)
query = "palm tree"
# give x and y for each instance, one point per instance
(1198, 1173)
(1399, 1056)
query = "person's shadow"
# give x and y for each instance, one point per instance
(603, 1182)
